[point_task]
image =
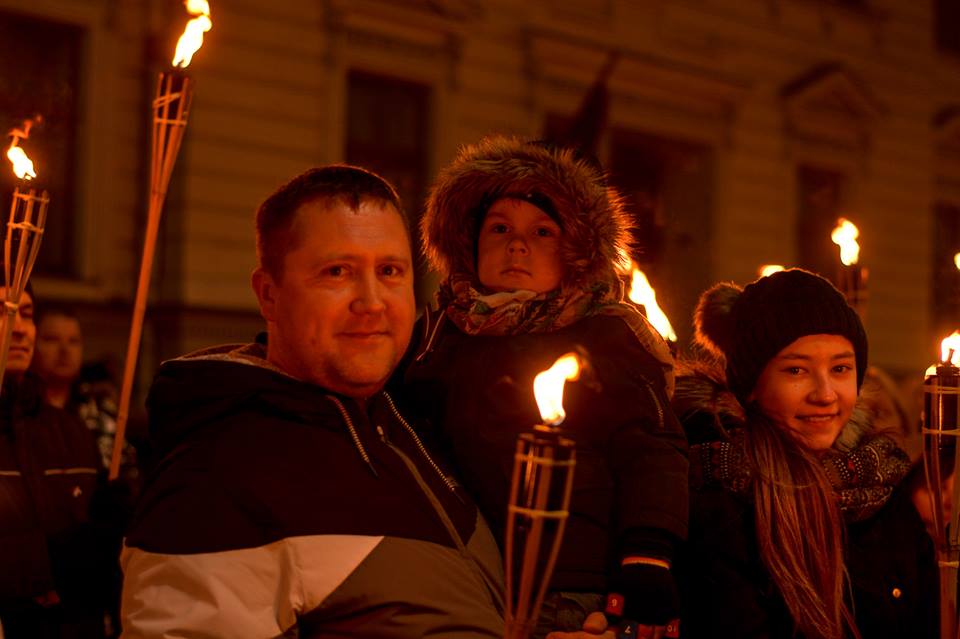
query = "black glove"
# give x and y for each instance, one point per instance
(649, 594)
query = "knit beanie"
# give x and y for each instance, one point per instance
(749, 326)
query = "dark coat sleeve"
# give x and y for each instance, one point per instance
(724, 589)
(647, 449)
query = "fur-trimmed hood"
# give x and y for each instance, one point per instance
(594, 221)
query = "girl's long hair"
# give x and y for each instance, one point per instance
(799, 530)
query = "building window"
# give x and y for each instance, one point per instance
(947, 25)
(945, 299)
(40, 73)
(388, 133)
(667, 186)
(820, 194)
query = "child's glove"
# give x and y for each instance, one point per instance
(649, 592)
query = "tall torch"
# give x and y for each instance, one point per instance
(539, 501)
(642, 293)
(28, 215)
(851, 278)
(941, 417)
(171, 106)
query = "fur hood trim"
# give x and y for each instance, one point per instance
(592, 214)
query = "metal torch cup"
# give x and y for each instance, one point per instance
(536, 517)
(941, 417)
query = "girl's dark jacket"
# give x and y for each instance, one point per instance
(725, 588)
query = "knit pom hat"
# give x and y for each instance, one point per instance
(749, 326)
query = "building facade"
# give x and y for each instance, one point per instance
(739, 130)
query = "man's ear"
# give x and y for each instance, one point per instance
(266, 291)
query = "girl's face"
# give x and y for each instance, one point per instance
(810, 387)
(519, 248)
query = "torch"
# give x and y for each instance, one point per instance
(851, 278)
(643, 294)
(539, 501)
(941, 416)
(171, 106)
(28, 215)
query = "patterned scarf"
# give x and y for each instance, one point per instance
(862, 478)
(521, 312)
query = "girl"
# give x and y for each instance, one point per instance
(791, 488)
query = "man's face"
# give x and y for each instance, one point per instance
(59, 349)
(342, 313)
(23, 336)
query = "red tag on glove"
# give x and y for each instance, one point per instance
(614, 604)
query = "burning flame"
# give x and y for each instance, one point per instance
(845, 236)
(952, 342)
(642, 293)
(548, 387)
(192, 38)
(948, 343)
(956, 260)
(770, 269)
(22, 165)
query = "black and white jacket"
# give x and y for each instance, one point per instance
(281, 509)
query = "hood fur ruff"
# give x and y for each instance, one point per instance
(594, 221)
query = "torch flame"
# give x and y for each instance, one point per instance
(22, 165)
(956, 260)
(192, 38)
(548, 387)
(770, 269)
(948, 343)
(845, 236)
(642, 293)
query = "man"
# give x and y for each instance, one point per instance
(85, 391)
(59, 354)
(54, 562)
(291, 498)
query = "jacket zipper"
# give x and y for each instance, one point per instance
(431, 496)
(656, 402)
(449, 482)
(353, 434)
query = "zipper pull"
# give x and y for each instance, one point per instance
(383, 434)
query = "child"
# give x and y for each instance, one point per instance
(526, 238)
(797, 502)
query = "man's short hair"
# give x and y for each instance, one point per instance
(349, 185)
(53, 309)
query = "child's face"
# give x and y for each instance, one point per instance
(810, 387)
(519, 248)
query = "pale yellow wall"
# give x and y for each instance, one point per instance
(270, 101)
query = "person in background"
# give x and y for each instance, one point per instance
(86, 391)
(797, 497)
(54, 560)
